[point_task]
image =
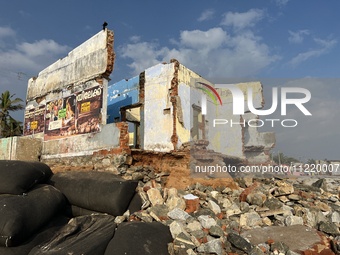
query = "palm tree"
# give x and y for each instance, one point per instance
(8, 124)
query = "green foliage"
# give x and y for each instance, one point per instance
(283, 159)
(311, 161)
(8, 125)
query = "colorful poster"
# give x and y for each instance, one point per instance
(39, 118)
(76, 114)
(29, 118)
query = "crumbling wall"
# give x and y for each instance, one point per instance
(158, 110)
(71, 98)
(20, 148)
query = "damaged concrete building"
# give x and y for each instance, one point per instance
(84, 122)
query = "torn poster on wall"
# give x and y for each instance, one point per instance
(34, 120)
(79, 113)
(74, 114)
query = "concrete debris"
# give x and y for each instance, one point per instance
(268, 216)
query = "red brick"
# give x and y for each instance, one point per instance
(307, 252)
(205, 240)
(270, 241)
(247, 191)
(192, 205)
(327, 252)
(263, 249)
(206, 230)
(220, 216)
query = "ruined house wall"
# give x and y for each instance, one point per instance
(20, 148)
(122, 93)
(158, 121)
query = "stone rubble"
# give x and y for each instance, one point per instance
(214, 224)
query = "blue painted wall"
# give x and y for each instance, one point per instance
(120, 94)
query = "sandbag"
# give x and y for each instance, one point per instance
(73, 211)
(42, 235)
(21, 216)
(98, 191)
(17, 177)
(140, 238)
(135, 204)
(86, 235)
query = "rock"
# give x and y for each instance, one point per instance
(321, 184)
(273, 203)
(226, 203)
(176, 228)
(329, 228)
(143, 216)
(155, 196)
(171, 249)
(175, 202)
(256, 198)
(161, 211)
(200, 187)
(307, 188)
(216, 231)
(191, 252)
(232, 210)
(240, 243)
(214, 194)
(137, 176)
(194, 226)
(257, 251)
(214, 207)
(283, 199)
(335, 217)
(178, 214)
(322, 206)
(293, 220)
(119, 219)
(309, 218)
(199, 233)
(284, 190)
(184, 241)
(267, 221)
(280, 246)
(205, 211)
(227, 191)
(248, 190)
(206, 221)
(244, 207)
(250, 219)
(214, 246)
(294, 197)
(271, 212)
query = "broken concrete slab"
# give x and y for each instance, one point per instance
(297, 237)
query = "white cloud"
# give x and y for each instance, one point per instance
(6, 31)
(281, 2)
(209, 53)
(242, 20)
(42, 47)
(297, 37)
(206, 15)
(135, 38)
(326, 46)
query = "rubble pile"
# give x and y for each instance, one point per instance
(303, 216)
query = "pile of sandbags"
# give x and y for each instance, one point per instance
(91, 191)
(27, 204)
(33, 203)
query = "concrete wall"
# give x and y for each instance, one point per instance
(122, 93)
(89, 60)
(158, 125)
(20, 148)
(86, 144)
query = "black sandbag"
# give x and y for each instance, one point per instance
(73, 211)
(135, 204)
(86, 235)
(140, 238)
(21, 216)
(42, 235)
(98, 191)
(17, 177)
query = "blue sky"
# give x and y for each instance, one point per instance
(253, 39)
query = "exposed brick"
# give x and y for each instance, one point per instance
(247, 191)
(270, 241)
